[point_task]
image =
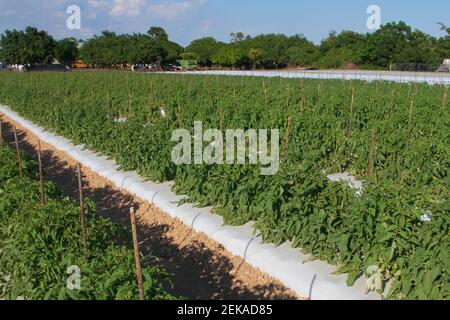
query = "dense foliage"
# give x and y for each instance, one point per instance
(395, 137)
(394, 43)
(33, 47)
(38, 244)
(110, 49)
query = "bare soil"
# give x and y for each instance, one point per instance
(200, 267)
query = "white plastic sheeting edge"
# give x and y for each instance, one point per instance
(308, 279)
(407, 77)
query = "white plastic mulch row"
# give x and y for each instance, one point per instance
(308, 279)
(439, 78)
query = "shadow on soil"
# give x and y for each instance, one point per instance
(197, 272)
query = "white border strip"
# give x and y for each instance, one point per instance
(407, 77)
(312, 279)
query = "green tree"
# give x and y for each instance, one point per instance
(109, 49)
(204, 48)
(66, 51)
(173, 51)
(230, 56)
(443, 44)
(27, 47)
(158, 34)
(444, 28)
(338, 49)
(12, 45)
(189, 56)
(255, 56)
(335, 58)
(389, 44)
(274, 48)
(302, 52)
(238, 37)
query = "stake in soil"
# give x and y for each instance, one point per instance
(137, 257)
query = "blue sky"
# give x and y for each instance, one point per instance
(186, 20)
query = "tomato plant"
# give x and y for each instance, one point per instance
(38, 244)
(394, 137)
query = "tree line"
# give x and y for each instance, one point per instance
(32, 46)
(394, 42)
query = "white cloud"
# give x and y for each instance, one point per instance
(166, 10)
(171, 11)
(98, 4)
(129, 8)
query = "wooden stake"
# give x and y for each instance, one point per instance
(287, 137)
(129, 105)
(137, 257)
(302, 104)
(371, 164)
(265, 95)
(19, 159)
(318, 91)
(108, 99)
(179, 115)
(350, 118)
(82, 213)
(302, 97)
(1, 133)
(288, 97)
(221, 120)
(444, 98)
(410, 121)
(209, 94)
(41, 174)
(392, 98)
(234, 98)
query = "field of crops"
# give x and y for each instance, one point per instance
(394, 137)
(40, 245)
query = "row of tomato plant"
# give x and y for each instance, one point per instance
(41, 252)
(395, 137)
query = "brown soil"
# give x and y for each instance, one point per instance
(200, 267)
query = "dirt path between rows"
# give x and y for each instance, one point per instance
(200, 267)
